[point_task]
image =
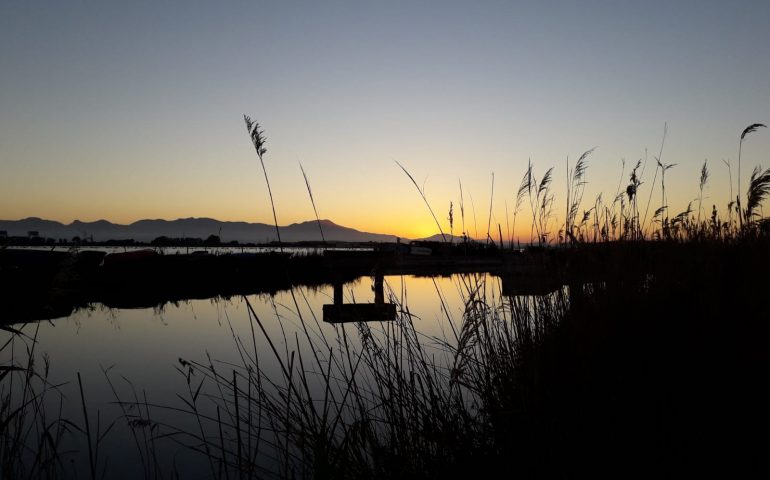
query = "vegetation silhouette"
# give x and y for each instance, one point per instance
(649, 360)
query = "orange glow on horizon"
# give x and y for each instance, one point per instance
(402, 229)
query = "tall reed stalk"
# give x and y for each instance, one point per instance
(491, 200)
(421, 191)
(462, 210)
(704, 176)
(258, 140)
(312, 200)
(751, 128)
(575, 188)
(655, 176)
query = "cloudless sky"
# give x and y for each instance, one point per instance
(130, 110)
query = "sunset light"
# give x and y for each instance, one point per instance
(348, 240)
(117, 113)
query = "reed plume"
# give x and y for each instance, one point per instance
(258, 138)
(575, 188)
(544, 201)
(524, 187)
(704, 176)
(759, 188)
(751, 128)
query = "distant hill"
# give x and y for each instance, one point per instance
(147, 230)
(443, 238)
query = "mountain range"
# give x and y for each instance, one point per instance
(147, 230)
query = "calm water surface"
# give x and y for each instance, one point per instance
(200, 249)
(143, 347)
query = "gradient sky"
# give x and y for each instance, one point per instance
(130, 110)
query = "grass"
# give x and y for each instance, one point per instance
(258, 139)
(421, 191)
(616, 369)
(591, 378)
(32, 430)
(650, 360)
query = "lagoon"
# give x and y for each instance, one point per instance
(140, 355)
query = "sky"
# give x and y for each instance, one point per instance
(131, 110)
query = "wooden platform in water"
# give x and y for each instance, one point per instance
(359, 312)
(46, 284)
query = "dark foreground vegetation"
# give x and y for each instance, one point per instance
(656, 370)
(41, 285)
(657, 366)
(650, 359)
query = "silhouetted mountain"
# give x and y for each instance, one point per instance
(46, 228)
(445, 238)
(147, 230)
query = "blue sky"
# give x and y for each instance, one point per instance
(128, 110)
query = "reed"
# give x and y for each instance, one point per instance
(312, 201)
(257, 136)
(421, 191)
(704, 176)
(521, 193)
(615, 367)
(759, 188)
(750, 129)
(539, 382)
(575, 188)
(491, 202)
(33, 435)
(517, 381)
(655, 176)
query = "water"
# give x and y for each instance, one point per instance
(139, 351)
(200, 249)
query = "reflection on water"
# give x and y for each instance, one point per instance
(220, 250)
(140, 350)
(340, 312)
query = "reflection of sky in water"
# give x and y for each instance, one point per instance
(144, 345)
(223, 250)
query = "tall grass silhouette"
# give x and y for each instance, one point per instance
(421, 191)
(258, 139)
(650, 352)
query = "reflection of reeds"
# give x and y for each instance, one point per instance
(618, 362)
(517, 380)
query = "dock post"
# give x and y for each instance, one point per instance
(379, 291)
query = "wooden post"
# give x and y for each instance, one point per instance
(379, 291)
